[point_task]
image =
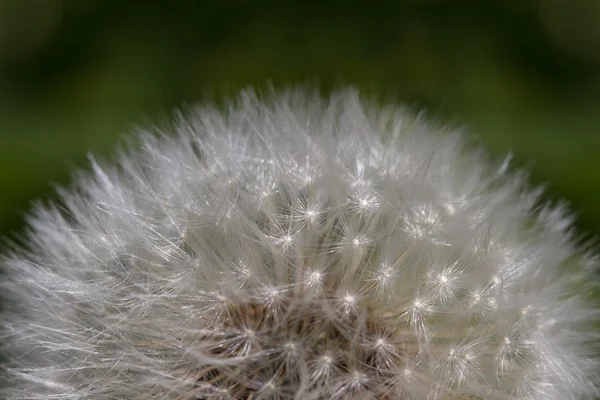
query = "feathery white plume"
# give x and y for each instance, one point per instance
(296, 247)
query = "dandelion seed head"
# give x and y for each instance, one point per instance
(294, 247)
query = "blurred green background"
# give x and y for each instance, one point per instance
(520, 75)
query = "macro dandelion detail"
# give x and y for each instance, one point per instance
(299, 247)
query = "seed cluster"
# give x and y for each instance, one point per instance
(272, 351)
(297, 247)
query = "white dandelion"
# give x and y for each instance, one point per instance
(299, 247)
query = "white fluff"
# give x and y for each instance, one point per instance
(296, 247)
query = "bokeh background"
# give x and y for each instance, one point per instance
(520, 75)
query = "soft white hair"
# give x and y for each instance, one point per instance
(299, 247)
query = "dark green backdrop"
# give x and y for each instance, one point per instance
(521, 75)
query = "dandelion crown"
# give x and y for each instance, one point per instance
(299, 247)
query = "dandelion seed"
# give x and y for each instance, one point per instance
(299, 247)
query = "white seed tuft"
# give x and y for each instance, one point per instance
(299, 247)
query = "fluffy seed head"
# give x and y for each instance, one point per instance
(299, 248)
